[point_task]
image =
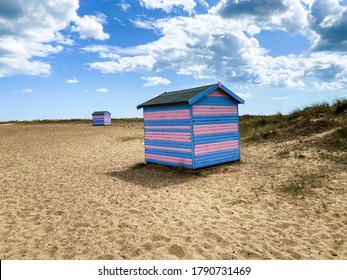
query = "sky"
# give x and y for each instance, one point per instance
(65, 59)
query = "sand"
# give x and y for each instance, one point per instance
(74, 191)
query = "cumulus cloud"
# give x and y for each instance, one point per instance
(73, 80)
(90, 27)
(102, 90)
(30, 30)
(155, 81)
(328, 86)
(329, 20)
(257, 15)
(168, 5)
(220, 47)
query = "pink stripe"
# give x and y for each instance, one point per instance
(174, 117)
(169, 136)
(214, 110)
(218, 92)
(167, 113)
(215, 128)
(168, 148)
(215, 147)
(167, 127)
(170, 159)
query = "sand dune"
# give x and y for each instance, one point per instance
(73, 191)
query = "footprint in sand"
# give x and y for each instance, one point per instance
(177, 251)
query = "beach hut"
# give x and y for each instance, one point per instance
(101, 118)
(192, 128)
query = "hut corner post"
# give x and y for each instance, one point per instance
(192, 136)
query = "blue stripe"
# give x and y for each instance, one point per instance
(167, 122)
(165, 108)
(215, 119)
(216, 101)
(213, 138)
(168, 163)
(216, 155)
(173, 144)
(215, 161)
(217, 158)
(169, 153)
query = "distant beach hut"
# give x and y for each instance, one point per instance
(192, 128)
(101, 118)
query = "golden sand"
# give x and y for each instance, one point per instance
(74, 191)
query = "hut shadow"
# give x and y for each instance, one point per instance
(155, 176)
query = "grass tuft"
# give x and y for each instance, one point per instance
(302, 184)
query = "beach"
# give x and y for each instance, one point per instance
(74, 191)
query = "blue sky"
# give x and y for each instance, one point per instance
(65, 59)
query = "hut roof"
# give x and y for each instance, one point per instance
(101, 113)
(187, 96)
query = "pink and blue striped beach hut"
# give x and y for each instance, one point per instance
(192, 128)
(101, 118)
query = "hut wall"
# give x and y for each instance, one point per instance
(215, 130)
(168, 135)
(107, 119)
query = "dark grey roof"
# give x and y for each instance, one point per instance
(174, 97)
(187, 96)
(101, 113)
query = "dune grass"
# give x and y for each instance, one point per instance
(302, 185)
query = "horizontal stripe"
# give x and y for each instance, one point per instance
(167, 127)
(168, 148)
(216, 101)
(172, 136)
(176, 160)
(167, 122)
(169, 153)
(167, 115)
(165, 108)
(167, 130)
(168, 163)
(215, 128)
(160, 143)
(215, 119)
(217, 155)
(218, 92)
(211, 138)
(214, 110)
(215, 147)
(215, 161)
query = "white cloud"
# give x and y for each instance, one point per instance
(27, 90)
(168, 5)
(73, 80)
(280, 98)
(102, 90)
(209, 46)
(90, 27)
(328, 86)
(33, 29)
(244, 95)
(124, 6)
(155, 81)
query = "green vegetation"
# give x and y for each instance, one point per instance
(318, 118)
(302, 184)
